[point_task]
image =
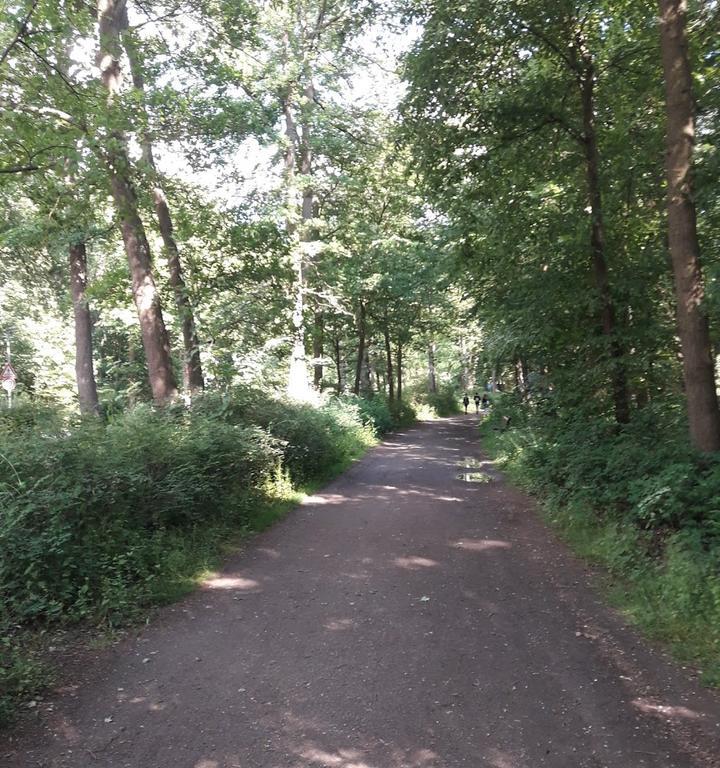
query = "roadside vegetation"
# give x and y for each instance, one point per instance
(572, 152)
(103, 520)
(638, 501)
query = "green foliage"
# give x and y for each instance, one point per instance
(374, 411)
(379, 413)
(638, 501)
(21, 674)
(99, 521)
(86, 507)
(444, 402)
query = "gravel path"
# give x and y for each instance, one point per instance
(401, 618)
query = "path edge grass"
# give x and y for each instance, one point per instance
(629, 581)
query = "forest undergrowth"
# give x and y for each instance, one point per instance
(101, 521)
(636, 500)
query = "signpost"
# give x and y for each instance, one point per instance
(8, 379)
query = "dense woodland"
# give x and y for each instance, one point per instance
(243, 239)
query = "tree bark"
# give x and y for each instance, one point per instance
(693, 329)
(339, 366)
(399, 370)
(597, 236)
(112, 18)
(366, 380)
(388, 357)
(84, 373)
(318, 346)
(298, 384)
(432, 379)
(192, 367)
(361, 347)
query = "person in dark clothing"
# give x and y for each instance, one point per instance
(466, 402)
(485, 402)
(477, 403)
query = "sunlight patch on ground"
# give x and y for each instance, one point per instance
(667, 710)
(474, 477)
(229, 582)
(413, 563)
(343, 758)
(470, 462)
(500, 759)
(269, 552)
(481, 545)
(338, 625)
(326, 498)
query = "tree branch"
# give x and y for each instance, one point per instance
(19, 168)
(19, 34)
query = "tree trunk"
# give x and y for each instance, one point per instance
(361, 347)
(339, 367)
(192, 367)
(318, 344)
(298, 384)
(465, 375)
(112, 17)
(597, 237)
(84, 374)
(399, 370)
(388, 357)
(698, 365)
(366, 380)
(432, 379)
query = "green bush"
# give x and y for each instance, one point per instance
(100, 519)
(373, 411)
(315, 439)
(84, 508)
(444, 402)
(403, 413)
(637, 499)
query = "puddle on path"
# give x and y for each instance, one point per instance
(474, 477)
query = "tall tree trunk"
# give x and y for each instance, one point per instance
(192, 367)
(84, 374)
(698, 365)
(388, 357)
(112, 18)
(361, 347)
(366, 380)
(298, 384)
(465, 375)
(399, 370)
(597, 235)
(339, 366)
(318, 345)
(309, 235)
(432, 379)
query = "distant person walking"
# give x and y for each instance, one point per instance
(466, 402)
(477, 403)
(485, 402)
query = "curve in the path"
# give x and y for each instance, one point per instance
(405, 617)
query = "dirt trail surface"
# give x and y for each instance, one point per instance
(402, 618)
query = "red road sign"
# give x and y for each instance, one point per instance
(8, 373)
